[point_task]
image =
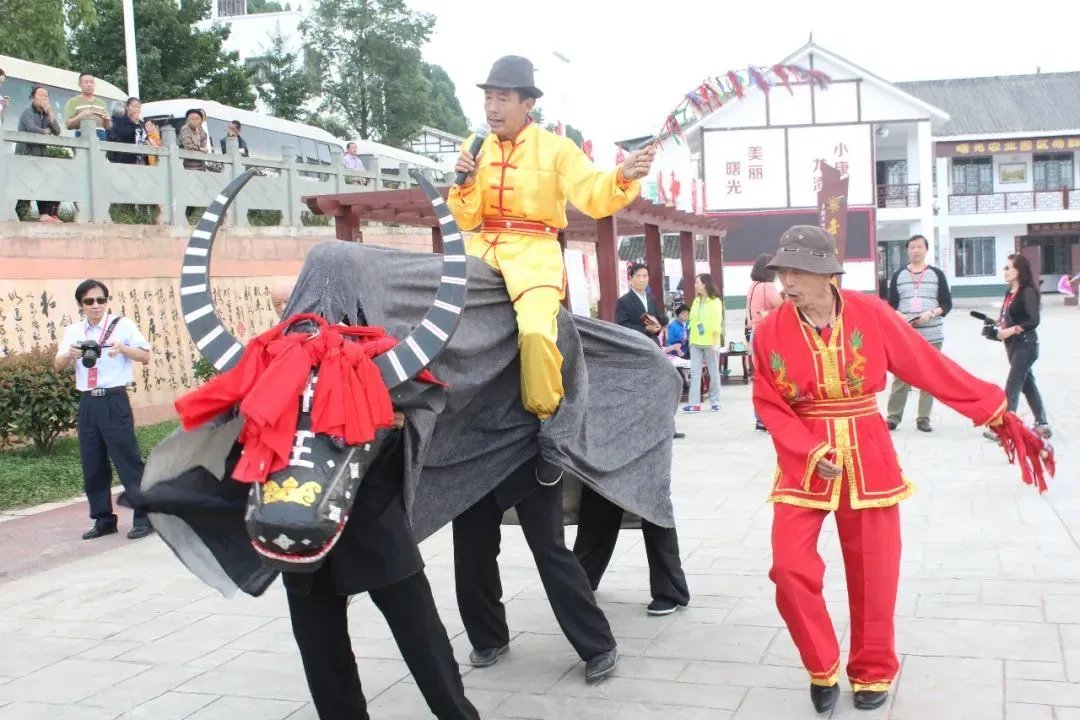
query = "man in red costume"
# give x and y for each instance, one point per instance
(822, 358)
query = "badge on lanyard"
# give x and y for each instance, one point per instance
(916, 304)
(92, 373)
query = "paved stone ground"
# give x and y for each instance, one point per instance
(988, 620)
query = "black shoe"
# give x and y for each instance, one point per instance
(487, 657)
(824, 698)
(139, 531)
(99, 530)
(548, 474)
(892, 423)
(923, 424)
(678, 435)
(600, 666)
(760, 427)
(870, 699)
(662, 606)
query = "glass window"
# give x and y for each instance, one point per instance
(974, 257)
(324, 153)
(1053, 172)
(973, 176)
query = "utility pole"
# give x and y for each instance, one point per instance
(129, 49)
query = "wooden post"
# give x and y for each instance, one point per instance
(654, 259)
(607, 270)
(689, 268)
(716, 262)
(436, 240)
(342, 229)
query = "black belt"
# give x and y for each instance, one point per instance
(102, 392)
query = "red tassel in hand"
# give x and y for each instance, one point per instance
(1021, 444)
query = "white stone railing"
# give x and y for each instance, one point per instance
(91, 183)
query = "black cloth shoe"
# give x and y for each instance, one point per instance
(892, 423)
(487, 657)
(662, 606)
(923, 424)
(870, 699)
(99, 530)
(824, 698)
(600, 666)
(139, 531)
(678, 435)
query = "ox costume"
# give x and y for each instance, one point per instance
(815, 390)
(288, 463)
(517, 202)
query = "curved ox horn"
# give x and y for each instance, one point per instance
(205, 326)
(398, 365)
(430, 337)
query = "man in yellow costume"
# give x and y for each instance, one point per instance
(514, 198)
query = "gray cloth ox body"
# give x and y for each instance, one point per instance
(613, 430)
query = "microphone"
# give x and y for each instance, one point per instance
(477, 143)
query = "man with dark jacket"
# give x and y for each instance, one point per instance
(128, 128)
(638, 309)
(919, 292)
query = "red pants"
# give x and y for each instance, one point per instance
(870, 540)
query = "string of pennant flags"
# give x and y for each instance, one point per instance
(719, 90)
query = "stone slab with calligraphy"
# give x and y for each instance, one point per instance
(34, 313)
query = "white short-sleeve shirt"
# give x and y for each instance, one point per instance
(112, 371)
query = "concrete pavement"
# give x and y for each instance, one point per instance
(988, 618)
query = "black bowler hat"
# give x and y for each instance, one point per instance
(512, 72)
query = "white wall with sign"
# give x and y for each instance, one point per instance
(848, 148)
(774, 168)
(745, 169)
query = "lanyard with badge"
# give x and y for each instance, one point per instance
(916, 301)
(106, 330)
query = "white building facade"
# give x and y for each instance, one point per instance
(980, 167)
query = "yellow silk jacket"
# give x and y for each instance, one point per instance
(532, 177)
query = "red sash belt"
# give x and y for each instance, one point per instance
(523, 227)
(838, 408)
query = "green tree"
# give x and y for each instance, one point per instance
(446, 112)
(333, 125)
(36, 30)
(370, 73)
(176, 60)
(568, 130)
(282, 80)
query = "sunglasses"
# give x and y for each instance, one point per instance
(90, 301)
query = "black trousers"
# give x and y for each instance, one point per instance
(598, 531)
(321, 627)
(107, 432)
(477, 537)
(1022, 353)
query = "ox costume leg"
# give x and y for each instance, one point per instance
(479, 588)
(377, 554)
(597, 534)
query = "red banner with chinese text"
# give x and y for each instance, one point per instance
(832, 205)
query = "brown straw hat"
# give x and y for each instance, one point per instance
(807, 248)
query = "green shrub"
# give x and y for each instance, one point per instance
(203, 370)
(37, 402)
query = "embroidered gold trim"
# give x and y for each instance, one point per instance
(872, 687)
(827, 505)
(811, 463)
(827, 678)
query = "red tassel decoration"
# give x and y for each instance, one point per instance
(1024, 447)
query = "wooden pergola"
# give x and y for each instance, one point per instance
(642, 217)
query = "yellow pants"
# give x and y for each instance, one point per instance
(532, 267)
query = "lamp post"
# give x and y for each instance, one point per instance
(129, 49)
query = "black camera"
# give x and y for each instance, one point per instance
(989, 328)
(91, 351)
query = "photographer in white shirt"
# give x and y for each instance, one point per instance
(104, 349)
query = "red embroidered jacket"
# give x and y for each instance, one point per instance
(816, 395)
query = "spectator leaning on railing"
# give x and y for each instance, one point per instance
(128, 128)
(39, 119)
(87, 105)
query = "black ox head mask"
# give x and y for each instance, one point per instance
(295, 518)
